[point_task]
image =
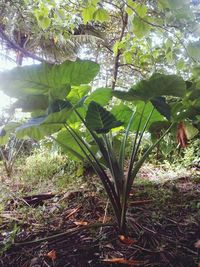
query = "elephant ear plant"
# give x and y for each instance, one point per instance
(62, 106)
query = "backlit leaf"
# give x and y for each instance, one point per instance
(173, 4)
(123, 114)
(77, 93)
(100, 96)
(141, 10)
(157, 85)
(88, 13)
(38, 127)
(30, 103)
(69, 145)
(190, 130)
(101, 15)
(194, 50)
(128, 57)
(139, 27)
(47, 79)
(124, 261)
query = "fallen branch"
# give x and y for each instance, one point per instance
(35, 199)
(66, 233)
(141, 202)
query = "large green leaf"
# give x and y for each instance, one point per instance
(4, 137)
(58, 105)
(101, 15)
(180, 111)
(38, 127)
(157, 127)
(88, 13)
(100, 96)
(156, 116)
(123, 113)
(30, 103)
(194, 95)
(99, 119)
(6, 130)
(76, 73)
(162, 107)
(69, 145)
(173, 4)
(190, 130)
(194, 50)
(77, 93)
(54, 80)
(157, 85)
(184, 14)
(139, 27)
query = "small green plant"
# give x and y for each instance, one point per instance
(44, 168)
(9, 238)
(82, 126)
(10, 152)
(192, 154)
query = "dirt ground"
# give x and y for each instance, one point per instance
(65, 229)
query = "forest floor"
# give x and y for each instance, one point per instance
(60, 229)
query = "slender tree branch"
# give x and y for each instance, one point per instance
(116, 60)
(134, 68)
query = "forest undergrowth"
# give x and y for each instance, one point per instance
(58, 221)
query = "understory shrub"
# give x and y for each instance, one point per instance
(192, 154)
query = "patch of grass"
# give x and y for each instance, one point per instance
(43, 165)
(41, 172)
(44, 171)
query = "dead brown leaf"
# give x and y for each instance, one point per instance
(124, 261)
(52, 255)
(197, 244)
(72, 212)
(80, 223)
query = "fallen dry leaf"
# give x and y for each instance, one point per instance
(197, 244)
(181, 136)
(52, 255)
(80, 223)
(124, 261)
(72, 213)
(126, 240)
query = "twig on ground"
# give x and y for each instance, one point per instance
(68, 232)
